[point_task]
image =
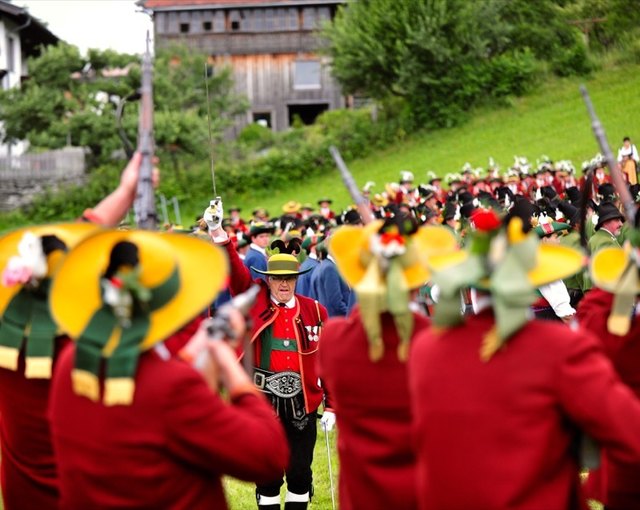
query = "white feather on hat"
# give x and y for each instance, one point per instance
(406, 176)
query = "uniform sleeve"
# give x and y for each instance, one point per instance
(240, 277)
(243, 438)
(594, 397)
(557, 296)
(333, 292)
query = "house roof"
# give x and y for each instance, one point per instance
(33, 32)
(174, 5)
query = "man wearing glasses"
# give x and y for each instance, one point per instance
(286, 333)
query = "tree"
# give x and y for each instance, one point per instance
(441, 56)
(73, 99)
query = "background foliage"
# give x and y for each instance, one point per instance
(421, 63)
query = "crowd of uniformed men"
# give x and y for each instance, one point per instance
(472, 338)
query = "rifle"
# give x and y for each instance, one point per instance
(145, 205)
(347, 178)
(616, 174)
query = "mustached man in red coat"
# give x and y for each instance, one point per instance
(610, 311)
(30, 343)
(133, 426)
(285, 339)
(499, 400)
(371, 397)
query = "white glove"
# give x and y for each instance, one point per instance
(328, 421)
(213, 214)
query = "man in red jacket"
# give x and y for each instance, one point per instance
(371, 398)
(133, 426)
(498, 400)
(26, 364)
(286, 334)
(605, 312)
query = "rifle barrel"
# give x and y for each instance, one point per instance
(616, 174)
(145, 204)
(347, 178)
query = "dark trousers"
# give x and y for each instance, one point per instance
(301, 444)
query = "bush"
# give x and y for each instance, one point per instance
(256, 136)
(572, 61)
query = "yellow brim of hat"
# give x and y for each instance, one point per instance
(553, 263)
(69, 233)
(349, 244)
(606, 267)
(203, 270)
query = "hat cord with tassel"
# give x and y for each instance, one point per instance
(384, 288)
(26, 318)
(116, 330)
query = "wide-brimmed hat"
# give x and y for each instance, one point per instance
(615, 270)
(282, 264)
(119, 293)
(382, 261)
(261, 227)
(325, 199)
(546, 228)
(260, 211)
(552, 262)
(508, 263)
(607, 211)
(29, 257)
(291, 207)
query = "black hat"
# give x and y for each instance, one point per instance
(467, 209)
(449, 212)
(351, 217)
(261, 228)
(464, 197)
(328, 200)
(235, 208)
(573, 195)
(607, 211)
(607, 192)
(570, 212)
(426, 192)
(549, 192)
(524, 210)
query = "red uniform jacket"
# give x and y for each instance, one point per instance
(501, 434)
(264, 312)
(371, 399)
(166, 450)
(621, 482)
(29, 477)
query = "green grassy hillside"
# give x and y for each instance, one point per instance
(552, 121)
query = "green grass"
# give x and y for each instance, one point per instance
(241, 495)
(552, 121)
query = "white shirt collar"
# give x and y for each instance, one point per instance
(313, 256)
(258, 248)
(289, 304)
(331, 258)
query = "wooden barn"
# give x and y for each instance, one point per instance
(271, 46)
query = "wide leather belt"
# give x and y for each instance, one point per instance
(281, 384)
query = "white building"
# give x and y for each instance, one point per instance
(21, 36)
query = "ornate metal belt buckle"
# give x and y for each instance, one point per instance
(284, 384)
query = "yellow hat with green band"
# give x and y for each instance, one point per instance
(29, 257)
(118, 293)
(383, 261)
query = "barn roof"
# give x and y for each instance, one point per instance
(173, 5)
